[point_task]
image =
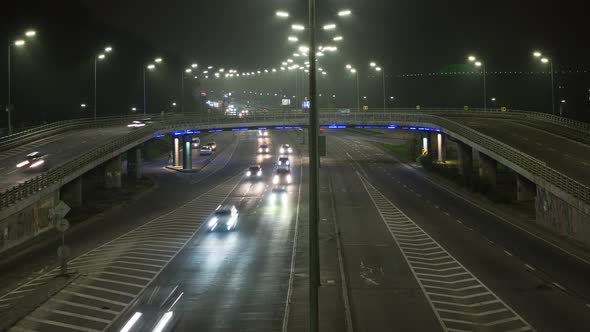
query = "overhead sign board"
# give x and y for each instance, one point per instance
(286, 102)
(305, 104)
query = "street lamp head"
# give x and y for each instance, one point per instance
(344, 12)
(330, 26)
(378, 68)
(352, 70)
(545, 60)
(133, 109)
(303, 48)
(151, 66)
(108, 49)
(373, 64)
(83, 105)
(471, 58)
(19, 42)
(210, 67)
(537, 54)
(293, 39)
(338, 38)
(31, 33)
(478, 63)
(101, 56)
(158, 60)
(188, 70)
(194, 65)
(348, 66)
(173, 104)
(282, 14)
(297, 27)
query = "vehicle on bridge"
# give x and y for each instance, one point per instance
(254, 171)
(278, 194)
(205, 150)
(140, 123)
(263, 133)
(263, 148)
(225, 218)
(34, 160)
(282, 176)
(156, 310)
(285, 149)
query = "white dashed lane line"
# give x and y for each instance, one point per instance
(460, 300)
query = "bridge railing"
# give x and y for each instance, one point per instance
(533, 166)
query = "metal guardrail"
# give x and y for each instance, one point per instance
(535, 167)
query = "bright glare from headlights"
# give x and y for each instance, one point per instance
(282, 150)
(131, 322)
(21, 164)
(289, 179)
(275, 180)
(248, 173)
(163, 322)
(37, 163)
(290, 150)
(212, 222)
(259, 173)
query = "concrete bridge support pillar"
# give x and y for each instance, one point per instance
(134, 163)
(487, 170)
(426, 143)
(525, 189)
(71, 193)
(112, 173)
(176, 144)
(465, 160)
(441, 147)
(187, 157)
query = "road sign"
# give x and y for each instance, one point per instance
(365, 108)
(286, 102)
(305, 104)
(60, 210)
(63, 252)
(62, 225)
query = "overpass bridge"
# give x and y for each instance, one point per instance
(550, 154)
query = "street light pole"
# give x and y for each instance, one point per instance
(314, 212)
(182, 93)
(552, 88)
(8, 107)
(485, 98)
(383, 75)
(95, 106)
(144, 94)
(358, 95)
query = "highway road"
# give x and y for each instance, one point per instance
(415, 257)
(545, 288)
(60, 148)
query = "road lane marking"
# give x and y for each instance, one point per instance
(529, 267)
(445, 293)
(508, 253)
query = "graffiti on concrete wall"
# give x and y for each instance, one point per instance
(555, 213)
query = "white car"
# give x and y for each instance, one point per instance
(284, 162)
(205, 150)
(139, 123)
(263, 148)
(225, 217)
(158, 309)
(254, 171)
(34, 160)
(278, 194)
(285, 148)
(282, 177)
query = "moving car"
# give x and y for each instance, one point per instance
(212, 145)
(205, 150)
(34, 160)
(195, 142)
(279, 194)
(284, 162)
(282, 177)
(263, 133)
(263, 148)
(140, 123)
(225, 217)
(156, 310)
(255, 171)
(285, 148)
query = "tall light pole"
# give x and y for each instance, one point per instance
(356, 74)
(546, 60)
(150, 66)
(382, 70)
(186, 71)
(97, 58)
(478, 64)
(314, 165)
(17, 43)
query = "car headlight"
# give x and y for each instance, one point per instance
(267, 150)
(272, 198)
(288, 162)
(275, 179)
(213, 221)
(248, 173)
(259, 173)
(260, 150)
(21, 164)
(37, 163)
(290, 150)
(288, 178)
(282, 150)
(280, 163)
(284, 197)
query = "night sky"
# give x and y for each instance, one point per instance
(54, 73)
